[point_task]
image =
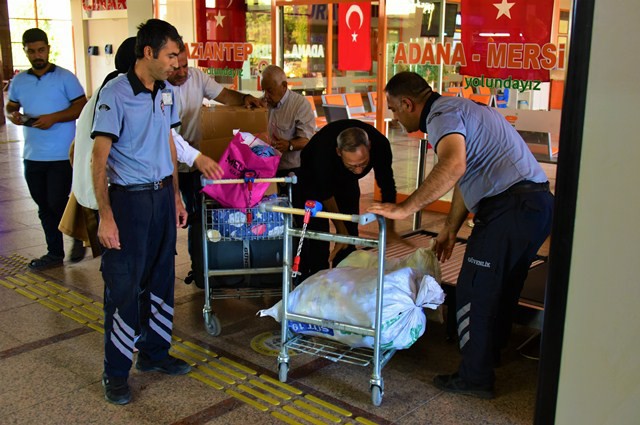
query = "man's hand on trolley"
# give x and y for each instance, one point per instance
(389, 210)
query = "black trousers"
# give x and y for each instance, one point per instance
(315, 254)
(509, 229)
(139, 278)
(49, 184)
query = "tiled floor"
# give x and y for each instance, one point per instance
(51, 348)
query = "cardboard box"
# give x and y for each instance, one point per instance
(218, 123)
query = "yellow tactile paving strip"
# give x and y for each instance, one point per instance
(13, 264)
(260, 391)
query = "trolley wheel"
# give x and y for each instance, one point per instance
(376, 395)
(283, 370)
(212, 324)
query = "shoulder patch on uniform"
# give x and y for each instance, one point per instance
(436, 114)
(104, 107)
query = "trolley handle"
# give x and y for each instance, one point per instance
(292, 179)
(355, 218)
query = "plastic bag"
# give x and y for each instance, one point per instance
(244, 153)
(348, 294)
(424, 260)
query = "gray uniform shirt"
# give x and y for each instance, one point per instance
(497, 157)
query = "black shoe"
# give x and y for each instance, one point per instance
(46, 262)
(169, 365)
(455, 384)
(189, 279)
(116, 389)
(77, 251)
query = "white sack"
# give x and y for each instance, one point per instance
(424, 260)
(348, 294)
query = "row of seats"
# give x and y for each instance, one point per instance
(483, 94)
(344, 106)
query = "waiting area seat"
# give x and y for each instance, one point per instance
(450, 93)
(355, 106)
(373, 100)
(540, 144)
(320, 121)
(333, 99)
(335, 112)
(355, 103)
(485, 99)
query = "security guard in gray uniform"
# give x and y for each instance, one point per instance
(139, 210)
(496, 177)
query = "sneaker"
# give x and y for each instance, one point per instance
(455, 384)
(46, 262)
(77, 251)
(116, 389)
(169, 365)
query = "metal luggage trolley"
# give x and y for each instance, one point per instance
(218, 232)
(319, 346)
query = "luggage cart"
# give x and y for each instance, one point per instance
(323, 347)
(217, 232)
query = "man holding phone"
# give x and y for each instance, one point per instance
(51, 98)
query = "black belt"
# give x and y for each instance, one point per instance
(144, 186)
(527, 186)
(524, 186)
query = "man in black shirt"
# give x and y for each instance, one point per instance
(332, 163)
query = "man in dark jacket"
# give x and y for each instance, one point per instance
(332, 163)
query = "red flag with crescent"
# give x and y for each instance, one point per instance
(227, 22)
(507, 38)
(354, 36)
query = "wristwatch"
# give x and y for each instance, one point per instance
(290, 146)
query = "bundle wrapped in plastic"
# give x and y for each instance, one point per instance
(348, 295)
(422, 259)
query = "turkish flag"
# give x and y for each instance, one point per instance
(494, 33)
(354, 36)
(219, 25)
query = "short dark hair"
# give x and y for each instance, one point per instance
(34, 34)
(155, 33)
(350, 139)
(125, 56)
(408, 84)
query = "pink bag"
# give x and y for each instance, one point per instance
(244, 155)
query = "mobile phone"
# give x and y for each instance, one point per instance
(28, 121)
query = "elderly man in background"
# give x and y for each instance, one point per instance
(291, 120)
